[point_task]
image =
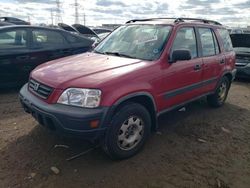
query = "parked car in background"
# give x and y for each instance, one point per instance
(241, 45)
(5, 23)
(67, 27)
(22, 48)
(14, 21)
(86, 31)
(101, 30)
(143, 69)
(236, 31)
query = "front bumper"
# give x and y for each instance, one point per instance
(234, 71)
(63, 119)
(243, 72)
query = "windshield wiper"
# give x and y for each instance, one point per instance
(95, 51)
(119, 54)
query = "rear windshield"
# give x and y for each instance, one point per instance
(226, 40)
(136, 41)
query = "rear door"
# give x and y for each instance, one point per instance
(78, 43)
(213, 59)
(228, 50)
(47, 45)
(14, 56)
(182, 79)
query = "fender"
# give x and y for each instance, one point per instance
(136, 94)
(231, 72)
(127, 97)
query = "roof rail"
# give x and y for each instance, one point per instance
(176, 20)
(149, 19)
(197, 19)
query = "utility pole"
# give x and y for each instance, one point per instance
(52, 17)
(84, 18)
(76, 12)
(58, 12)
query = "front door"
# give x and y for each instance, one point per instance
(182, 79)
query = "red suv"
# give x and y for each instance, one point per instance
(140, 71)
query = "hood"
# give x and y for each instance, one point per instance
(240, 40)
(67, 27)
(61, 72)
(84, 30)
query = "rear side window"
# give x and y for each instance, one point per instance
(226, 40)
(185, 39)
(13, 39)
(208, 42)
(217, 49)
(47, 38)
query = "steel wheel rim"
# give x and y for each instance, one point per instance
(222, 91)
(130, 133)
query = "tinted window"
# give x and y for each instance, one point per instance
(207, 42)
(47, 38)
(185, 39)
(13, 39)
(226, 40)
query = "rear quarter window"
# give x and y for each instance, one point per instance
(226, 40)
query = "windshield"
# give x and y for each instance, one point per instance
(136, 41)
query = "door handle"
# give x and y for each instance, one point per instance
(222, 61)
(197, 67)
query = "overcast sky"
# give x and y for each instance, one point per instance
(229, 12)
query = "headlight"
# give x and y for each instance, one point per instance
(89, 98)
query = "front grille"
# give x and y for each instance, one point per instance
(40, 89)
(240, 64)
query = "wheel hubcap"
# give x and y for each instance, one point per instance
(222, 91)
(130, 133)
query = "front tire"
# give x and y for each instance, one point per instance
(129, 129)
(219, 97)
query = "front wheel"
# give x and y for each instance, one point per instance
(129, 129)
(218, 98)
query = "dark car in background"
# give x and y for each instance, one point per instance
(5, 23)
(14, 21)
(22, 48)
(241, 44)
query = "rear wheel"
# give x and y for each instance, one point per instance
(129, 129)
(218, 98)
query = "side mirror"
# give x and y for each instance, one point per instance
(180, 55)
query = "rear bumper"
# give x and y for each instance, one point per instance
(65, 120)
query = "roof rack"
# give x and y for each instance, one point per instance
(176, 20)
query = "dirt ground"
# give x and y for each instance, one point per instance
(199, 147)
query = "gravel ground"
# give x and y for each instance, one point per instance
(199, 147)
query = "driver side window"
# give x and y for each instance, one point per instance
(185, 40)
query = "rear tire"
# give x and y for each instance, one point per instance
(219, 97)
(129, 129)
